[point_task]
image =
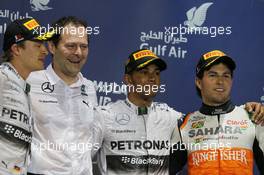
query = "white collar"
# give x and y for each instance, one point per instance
(135, 108)
(54, 78)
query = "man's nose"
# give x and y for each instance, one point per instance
(220, 80)
(78, 50)
(44, 49)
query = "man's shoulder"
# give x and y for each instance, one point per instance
(191, 116)
(112, 107)
(162, 106)
(88, 83)
(166, 108)
(3, 75)
(37, 76)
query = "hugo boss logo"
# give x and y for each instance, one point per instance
(47, 87)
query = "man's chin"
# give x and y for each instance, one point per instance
(150, 95)
(221, 101)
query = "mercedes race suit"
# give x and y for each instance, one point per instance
(62, 137)
(15, 121)
(219, 140)
(135, 140)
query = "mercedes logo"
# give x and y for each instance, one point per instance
(47, 87)
(122, 119)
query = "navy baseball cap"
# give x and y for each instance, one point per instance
(210, 57)
(24, 29)
(142, 58)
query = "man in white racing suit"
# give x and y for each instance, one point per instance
(24, 52)
(63, 102)
(219, 137)
(135, 138)
(135, 133)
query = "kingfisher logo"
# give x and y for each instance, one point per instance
(40, 5)
(196, 17)
(197, 158)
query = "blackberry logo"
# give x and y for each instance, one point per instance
(125, 159)
(9, 129)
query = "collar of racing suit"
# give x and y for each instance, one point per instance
(139, 110)
(8, 67)
(216, 110)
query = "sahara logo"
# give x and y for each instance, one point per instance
(40, 5)
(196, 17)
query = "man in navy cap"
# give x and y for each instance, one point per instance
(24, 52)
(219, 137)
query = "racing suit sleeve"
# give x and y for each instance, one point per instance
(178, 153)
(1, 87)
(98, 130)
(258, 148)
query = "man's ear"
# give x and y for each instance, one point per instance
(198, 82)
(127, 79)
(15, 49)
(51, 47)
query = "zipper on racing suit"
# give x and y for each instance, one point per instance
(217, 111)
(143, 111)
(218, 119)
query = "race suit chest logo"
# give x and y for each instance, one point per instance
(142, 160)
(139, 144)
(197, 118)
(15, 115)
(122, 119)
(243, 124)
(15, 134)
(198, 124)
(47, 87)
(215, 131)
(199, 157)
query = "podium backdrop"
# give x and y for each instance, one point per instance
(118, 27)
